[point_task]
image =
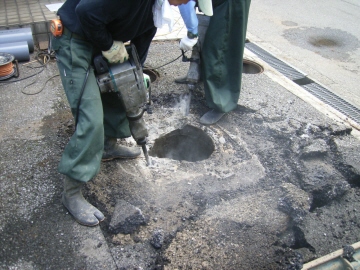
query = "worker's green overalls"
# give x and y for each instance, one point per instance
(222, 53)
(97, 114)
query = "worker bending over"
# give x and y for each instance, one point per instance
(93, 27)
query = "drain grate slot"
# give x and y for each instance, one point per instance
(309, 85)
(334, 101)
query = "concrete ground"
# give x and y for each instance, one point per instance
(278, 184)
(318, 38)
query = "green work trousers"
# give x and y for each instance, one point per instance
(222, 53)
(98, 114)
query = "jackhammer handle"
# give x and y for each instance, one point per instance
(100, 64)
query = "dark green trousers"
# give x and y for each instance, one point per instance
(98, 114)
(222, 53)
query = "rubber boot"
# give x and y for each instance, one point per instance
(211, 117)
(75, 203)
(112, 150)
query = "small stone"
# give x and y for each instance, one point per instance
(157, 239)
(317, 148)
(205, 264)
(126, 218)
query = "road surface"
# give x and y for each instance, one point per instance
(319, 38)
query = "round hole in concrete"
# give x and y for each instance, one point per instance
(251, 67)
(189, 143)
(152, 73)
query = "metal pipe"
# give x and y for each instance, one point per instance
(16, 35)
(20, 50)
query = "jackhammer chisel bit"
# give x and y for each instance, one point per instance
(148, 163)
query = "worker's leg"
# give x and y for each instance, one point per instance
(82, 155)
(116, 126)
(222, 57)
(81, 158)
(115, 122)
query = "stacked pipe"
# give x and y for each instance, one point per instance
(18, 42)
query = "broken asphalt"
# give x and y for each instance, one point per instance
(278, 185)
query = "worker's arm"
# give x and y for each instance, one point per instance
(190, 19)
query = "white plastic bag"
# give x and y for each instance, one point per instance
(163, 15)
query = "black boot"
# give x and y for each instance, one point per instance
(112, 150)
(82, 211)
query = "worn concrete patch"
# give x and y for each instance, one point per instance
(225, 234)
(93, 247)
(328, 42)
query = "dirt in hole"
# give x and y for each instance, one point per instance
(188, 143)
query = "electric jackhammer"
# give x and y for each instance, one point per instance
(127, 81)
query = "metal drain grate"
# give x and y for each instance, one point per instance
(312, 87)
(333, 100)
(279, 65)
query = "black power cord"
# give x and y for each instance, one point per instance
(81, 94)
(148, 68)
(41, 58)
